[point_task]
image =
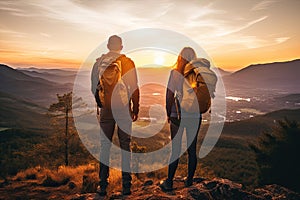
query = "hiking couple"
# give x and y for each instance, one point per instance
(186, 87)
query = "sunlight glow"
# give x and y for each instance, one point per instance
(159, 60)
(61, 33)
(152, 58)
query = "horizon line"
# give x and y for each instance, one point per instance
(154, 66)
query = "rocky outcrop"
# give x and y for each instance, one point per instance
(276, 192)
(202, 189)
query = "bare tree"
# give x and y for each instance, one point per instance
(64, 108)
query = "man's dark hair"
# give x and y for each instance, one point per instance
(114, 43)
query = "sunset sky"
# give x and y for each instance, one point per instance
(62, 33)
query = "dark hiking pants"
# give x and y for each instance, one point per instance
(107, 126)
(192, 126)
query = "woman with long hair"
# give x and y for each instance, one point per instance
(180, 120)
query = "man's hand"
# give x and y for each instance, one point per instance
(134, 117)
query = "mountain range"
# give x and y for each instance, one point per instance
(25, 95)
(53, 75)
(30, 88)
(282, 76)
(33, 86)
(38, 85)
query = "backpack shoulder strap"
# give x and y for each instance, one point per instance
(100, 58)
(122, 56)
(126, 63)
(105, 60)
(118, 62)
(188, 69)
(199, 77)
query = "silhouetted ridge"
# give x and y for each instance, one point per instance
(270, 66)
(224, 72)
(8, 72)
(32, 89)
(278, 75)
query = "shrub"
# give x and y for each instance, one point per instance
(277, 155)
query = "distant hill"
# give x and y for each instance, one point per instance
(223, 72)
(291, 98)
(32, 89)
(255, 126)
(53, 76)
(18, 113)
(60, 71)
(278, 75)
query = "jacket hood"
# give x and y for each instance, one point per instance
(112, 55)
(199, 62)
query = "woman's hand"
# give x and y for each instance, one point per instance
(134, 117)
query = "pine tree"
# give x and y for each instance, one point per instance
(64, 108)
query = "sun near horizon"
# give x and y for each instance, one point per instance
(161, 61)
(62, 34)
(228, 61)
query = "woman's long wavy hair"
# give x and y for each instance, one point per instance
(186, 55)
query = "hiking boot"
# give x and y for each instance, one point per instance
(126, 191)
(188, 182)
(166, 185)
(101, 191)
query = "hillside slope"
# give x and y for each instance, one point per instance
(278, 75)
(18, 113)
(68, 77)
(32, 89)
(253, 127)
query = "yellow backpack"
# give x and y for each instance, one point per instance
(111, 85)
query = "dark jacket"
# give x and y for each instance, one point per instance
(174, 86)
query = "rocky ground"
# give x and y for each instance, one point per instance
(202, 189)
